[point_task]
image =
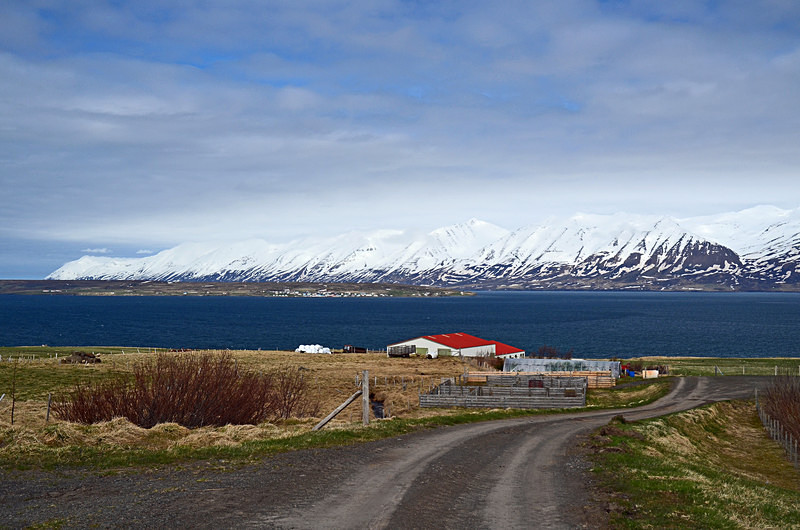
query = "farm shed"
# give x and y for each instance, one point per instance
(561, 365)
(452, 344)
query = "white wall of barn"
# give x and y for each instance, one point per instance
(432, 348)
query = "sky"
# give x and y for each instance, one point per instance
(127, 127)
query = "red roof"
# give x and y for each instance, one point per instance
(505, 349)
(458, 341)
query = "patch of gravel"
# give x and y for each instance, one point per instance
(200, 495)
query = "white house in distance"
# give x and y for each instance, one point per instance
(453, 344)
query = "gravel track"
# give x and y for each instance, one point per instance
(517, 473)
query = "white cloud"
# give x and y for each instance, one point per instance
(246, 119)
(96, 251)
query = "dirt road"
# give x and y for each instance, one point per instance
(518, 473)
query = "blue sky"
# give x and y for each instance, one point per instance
(129, 127)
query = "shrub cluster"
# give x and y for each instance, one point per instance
(551, 352)
(781, 400)
(191, 390)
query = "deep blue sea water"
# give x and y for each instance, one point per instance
(593, 324)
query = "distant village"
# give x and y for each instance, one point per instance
(264, 289)
(324, 293)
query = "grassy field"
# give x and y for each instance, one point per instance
(332, 378)
(726, 366)
(629, 396)
(712, 467)
(39, 373)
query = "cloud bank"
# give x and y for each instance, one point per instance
(131, 125)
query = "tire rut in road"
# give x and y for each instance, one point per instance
(453, 490)
(543, 484)
(369, 496)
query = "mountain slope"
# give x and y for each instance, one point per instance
(758, 248)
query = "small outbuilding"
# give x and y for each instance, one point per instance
(452, 344)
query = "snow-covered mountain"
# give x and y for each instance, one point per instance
(758, 248)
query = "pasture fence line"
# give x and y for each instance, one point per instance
(779, 433)
(767, 369)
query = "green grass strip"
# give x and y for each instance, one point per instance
(712, 467)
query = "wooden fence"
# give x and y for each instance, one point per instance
(594, 379)
(501, 402)
(510, 392)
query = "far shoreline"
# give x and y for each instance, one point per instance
(330, 289)
(255, 289)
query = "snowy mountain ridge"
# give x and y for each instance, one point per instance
(757, 248)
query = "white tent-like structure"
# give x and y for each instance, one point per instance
(561, 365)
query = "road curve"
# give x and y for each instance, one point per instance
(506, 474)
(516, 473)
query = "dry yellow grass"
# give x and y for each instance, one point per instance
(331, 378)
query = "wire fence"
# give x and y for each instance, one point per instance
(778, 433)
(764, 368)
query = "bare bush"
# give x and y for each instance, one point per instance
(551, 352)
(290, 394)
(191, 390)
(781, 400)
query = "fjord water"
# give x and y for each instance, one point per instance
(593, 324)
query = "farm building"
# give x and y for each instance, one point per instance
(452, 344)
(561, 365)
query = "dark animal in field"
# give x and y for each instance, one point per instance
(81, 357)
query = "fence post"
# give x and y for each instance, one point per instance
(14, 390)
(49, 399)
(365, 398)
